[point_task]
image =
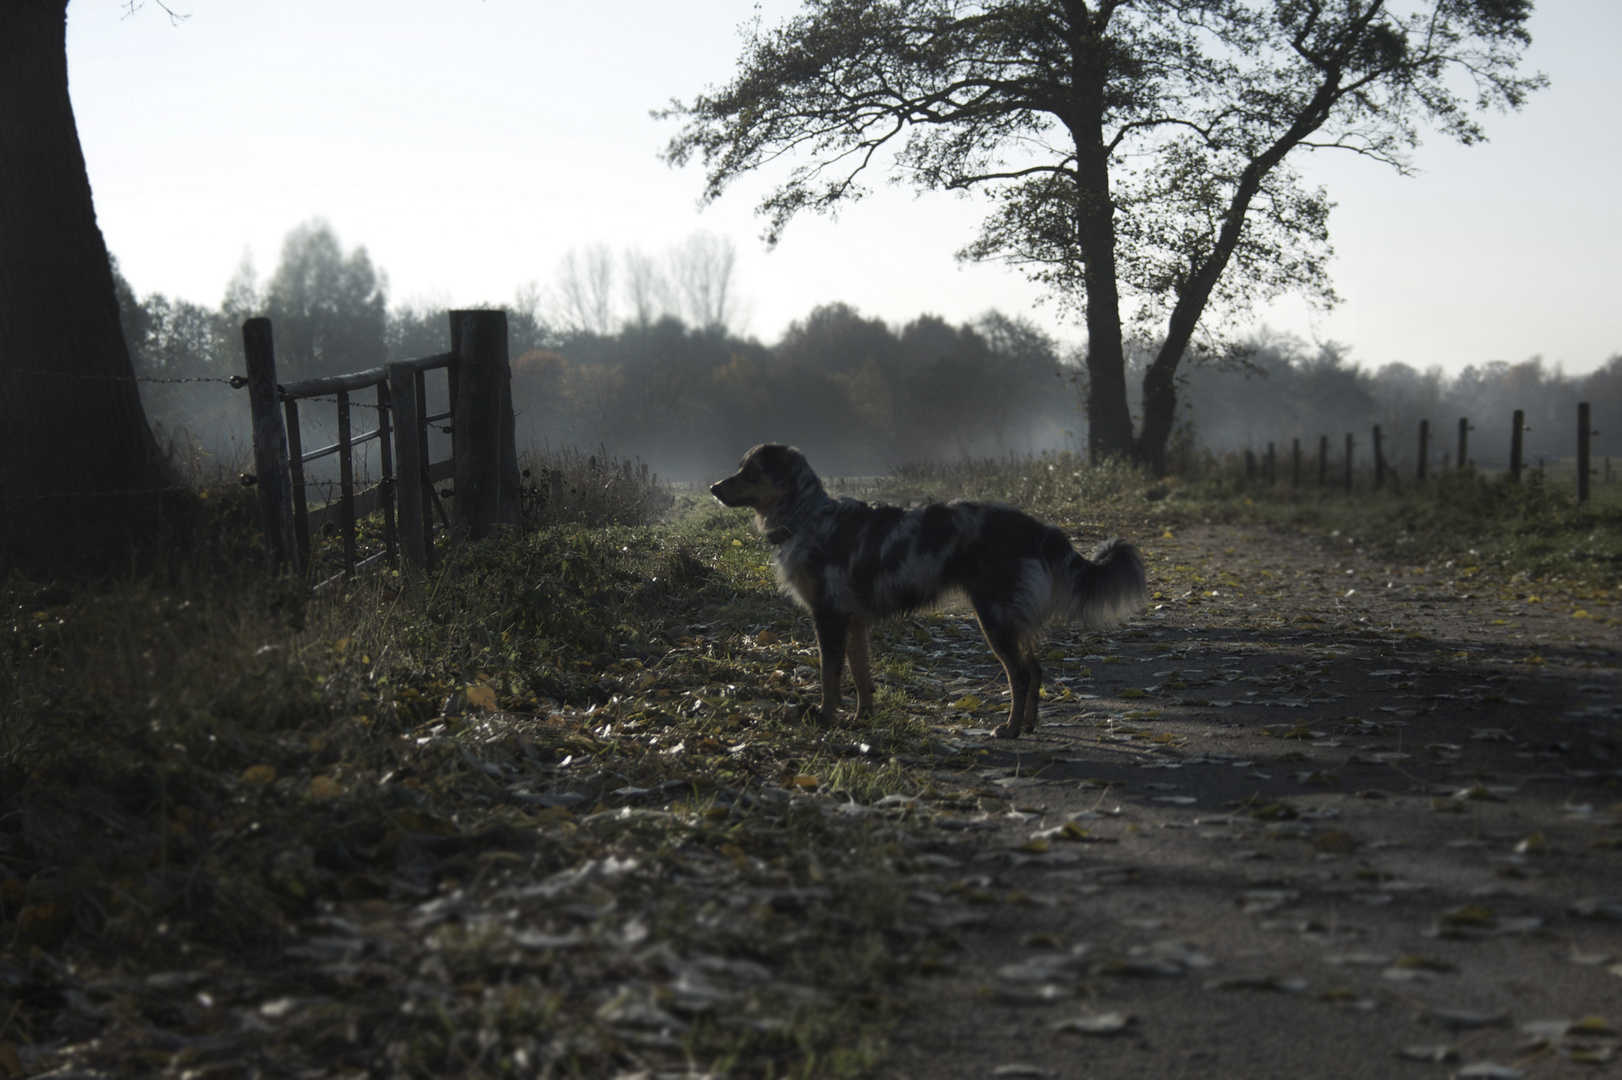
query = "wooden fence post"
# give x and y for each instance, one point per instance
(1323, 461)
(1349, 462)
(385, 457)
(1379, 460)
(1295, 464)
(1515, 442)
(301, 492)
(346, 482)
(1424, 447)
(1582, 451)
(408, 413)
(1272, 465)
(486, 463)
(269, 445)
(1464, 441)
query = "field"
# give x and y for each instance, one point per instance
(560, 809)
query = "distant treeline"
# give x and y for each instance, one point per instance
(858, 395)
(1291, 391)
(660, 376)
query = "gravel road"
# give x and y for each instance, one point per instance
(1312, 815)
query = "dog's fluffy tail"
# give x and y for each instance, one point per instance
(1101, 591)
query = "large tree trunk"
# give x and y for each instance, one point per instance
(78, 463)
(1109, 420)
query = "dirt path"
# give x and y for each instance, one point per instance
(1310, 813)
(1306, 813)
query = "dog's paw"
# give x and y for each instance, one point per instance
(1006, 730)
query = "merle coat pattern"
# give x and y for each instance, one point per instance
(851, 565)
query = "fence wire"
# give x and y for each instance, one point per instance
(235, 382)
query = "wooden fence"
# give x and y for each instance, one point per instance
(483, 465)
(1383, 469)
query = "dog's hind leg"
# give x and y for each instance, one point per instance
(861, 665)
(1024, 674)
(1033, 689)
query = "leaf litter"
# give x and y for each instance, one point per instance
(641, 860)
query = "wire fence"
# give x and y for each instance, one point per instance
(317, 425)
(1385, 464)
(235, 382)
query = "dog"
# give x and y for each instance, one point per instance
(851, 565)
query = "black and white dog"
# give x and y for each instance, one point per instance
(851, 564)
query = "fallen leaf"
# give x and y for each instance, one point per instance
(1112, 1023)
(1609, 908)
(1489, 1070)
(259, 774)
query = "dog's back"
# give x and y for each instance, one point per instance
(882, 561)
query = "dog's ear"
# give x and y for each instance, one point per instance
(780, 462)
(758, 456)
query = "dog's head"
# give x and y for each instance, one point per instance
(766, 476)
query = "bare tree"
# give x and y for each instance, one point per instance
(585, 286)
(647, 288)
(702, 270)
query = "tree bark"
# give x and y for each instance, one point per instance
(78, 463)
(1109, 420)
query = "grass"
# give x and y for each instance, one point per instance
(556, 804)
(202, 768)
(1533, 529)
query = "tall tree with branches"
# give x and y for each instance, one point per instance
(1135, 152)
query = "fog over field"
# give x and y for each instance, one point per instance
(636, 354)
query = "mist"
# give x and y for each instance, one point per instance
(644, 355)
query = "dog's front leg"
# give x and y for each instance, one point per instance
(832, 630)
(861, 665)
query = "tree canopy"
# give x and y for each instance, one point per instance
(329, 309)
(1134, 151)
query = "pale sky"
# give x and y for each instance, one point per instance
(469, 144)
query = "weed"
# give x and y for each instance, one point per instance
(589, 489)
